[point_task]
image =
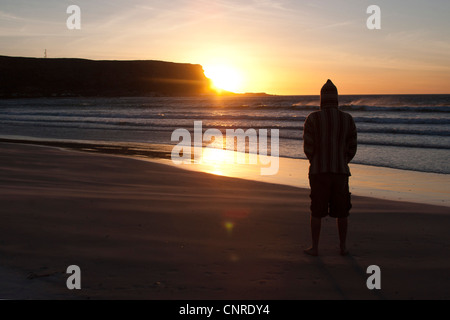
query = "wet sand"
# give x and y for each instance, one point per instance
(142, 230)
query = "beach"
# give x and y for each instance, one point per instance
(145, 230)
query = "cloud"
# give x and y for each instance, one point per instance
(9, 17)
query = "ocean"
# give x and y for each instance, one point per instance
(409, 132)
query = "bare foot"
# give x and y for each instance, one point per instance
(312, 252)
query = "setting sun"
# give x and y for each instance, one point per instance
(224, 77)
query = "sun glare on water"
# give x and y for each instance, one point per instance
(224, 77)
(220, 161)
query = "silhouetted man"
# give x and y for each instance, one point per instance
(329, 142)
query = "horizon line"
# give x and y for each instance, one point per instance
(230, 93)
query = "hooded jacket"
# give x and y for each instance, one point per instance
(329, 135)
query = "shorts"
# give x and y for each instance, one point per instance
(330, 195)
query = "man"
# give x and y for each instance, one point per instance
(329, 142)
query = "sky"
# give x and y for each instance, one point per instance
(284, 47)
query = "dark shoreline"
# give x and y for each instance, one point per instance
(125, 149)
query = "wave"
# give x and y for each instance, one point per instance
(349, 107)
(396, 109)
(351, 103)
(402, 120)
(144, 124)
(287, 137)
(393, 144)
(398, 138)
(352, 107)
(215, 117)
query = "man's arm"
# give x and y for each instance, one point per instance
(351, 141)
(308, 138)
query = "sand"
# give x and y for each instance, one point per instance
(142, 230)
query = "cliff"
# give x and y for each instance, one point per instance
(65, 77)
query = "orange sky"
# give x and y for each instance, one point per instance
(278, 47)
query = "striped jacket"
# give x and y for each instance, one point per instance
(329, 141)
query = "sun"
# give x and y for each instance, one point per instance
(224, 77)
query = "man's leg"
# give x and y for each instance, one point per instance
(316, 224)
(320, 195)
(342, 224)
(340, 208)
